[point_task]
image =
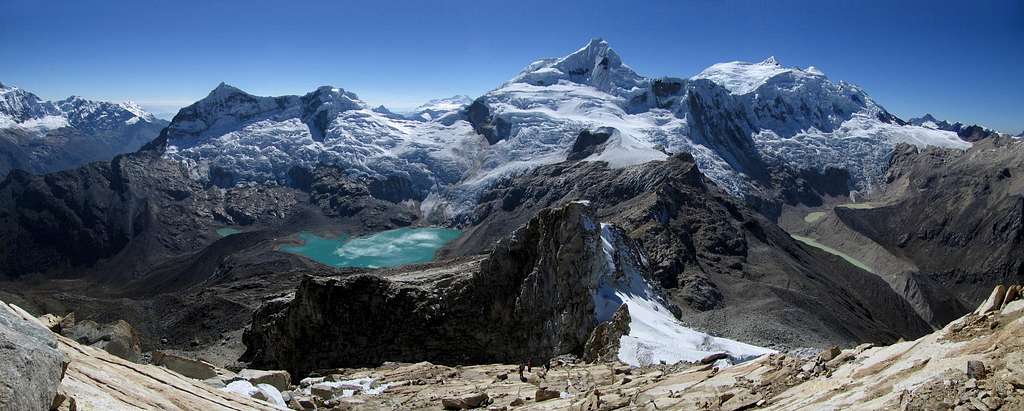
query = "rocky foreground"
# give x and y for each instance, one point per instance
(974, 363)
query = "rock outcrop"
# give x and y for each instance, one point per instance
(603, 344)
(530, 298)
(117, 338)
(734, 273)
(31, 367)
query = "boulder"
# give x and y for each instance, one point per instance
(544, 394)
(278, 378)
(465, 402)
(976, 369)
(829, 353)
(118, 338)
(1012, 294)
(196, 369)
(52, 322)
(32, 366)
(994, 301)
(713, 358)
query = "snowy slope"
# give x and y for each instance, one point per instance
(735, 118)
(654, 333)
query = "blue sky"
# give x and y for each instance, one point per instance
(959, 60)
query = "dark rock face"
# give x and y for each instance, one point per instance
(32, 365)
(957, 215)
(493, 128)
(734, 273)
(530, 298)
(78, 217)
(589, 143)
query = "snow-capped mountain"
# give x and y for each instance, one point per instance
(967, 133)
(232, 137)
(22, 109)
(42, 136)
(735, 118)
(446, 110)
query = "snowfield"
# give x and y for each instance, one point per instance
(654, 333)
(730, 117)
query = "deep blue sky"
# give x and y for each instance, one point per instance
(959, 60)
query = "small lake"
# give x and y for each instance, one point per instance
(226, 231)
(384, 249)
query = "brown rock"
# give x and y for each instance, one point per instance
(714, 357)
(994, 301)
(544, 394)
(976, 369)
(67, 322)
(1012, 294)
(197, 369)
(603, 344)
(465, 402)
(278, 378)
(51, 322)
(829, 354)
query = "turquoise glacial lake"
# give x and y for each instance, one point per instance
(226, 231)
(384, 249)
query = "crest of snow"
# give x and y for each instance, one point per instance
(654, 333)
(742, 77)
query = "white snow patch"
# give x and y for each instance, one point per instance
(654, 333)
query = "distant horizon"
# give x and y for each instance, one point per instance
(912, 58)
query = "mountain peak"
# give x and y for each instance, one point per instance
(225, 89)
(595, 64)
(770, 61)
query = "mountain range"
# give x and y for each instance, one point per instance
(44, 136)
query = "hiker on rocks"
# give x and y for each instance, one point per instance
(521, 367)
